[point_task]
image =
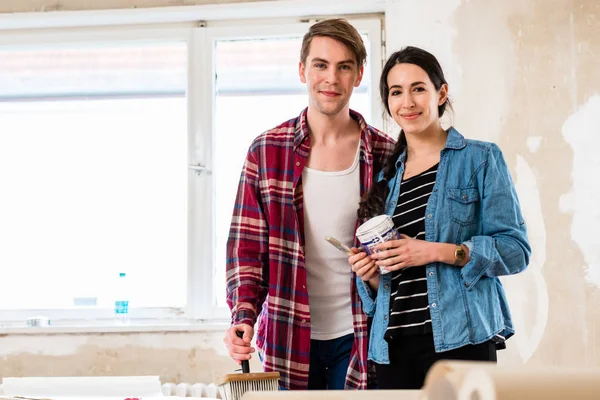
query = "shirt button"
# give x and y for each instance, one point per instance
(464, 196)
(433, 305)
(303, 287)
(435, 190)
(466, 284)
(297, 163)
(429, 216)
(303, 321)
(386, 286)
(385, 317)
(393, 203)
(431, 274)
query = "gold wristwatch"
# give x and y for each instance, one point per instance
(459, 255)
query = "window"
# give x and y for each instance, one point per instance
(93, 149)
(120, 151)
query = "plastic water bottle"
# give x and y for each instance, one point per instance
(121, 300)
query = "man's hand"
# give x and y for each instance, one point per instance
(239, 348)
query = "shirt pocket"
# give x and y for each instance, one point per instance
(464, 205)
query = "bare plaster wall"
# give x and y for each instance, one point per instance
(525, 75)
(7, 6)
(522, 73)
(174, 356)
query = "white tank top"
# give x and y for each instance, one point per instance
(330, 204)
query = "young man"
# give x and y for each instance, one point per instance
(302, 181)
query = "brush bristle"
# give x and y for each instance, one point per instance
(234, 390)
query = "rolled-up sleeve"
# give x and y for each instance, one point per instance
(367, 296)
(503, 247)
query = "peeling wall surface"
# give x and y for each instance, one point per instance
(522, 73)
(174, 356)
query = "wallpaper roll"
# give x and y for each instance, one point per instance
(460, 380)
(459, 384)
(334, 395)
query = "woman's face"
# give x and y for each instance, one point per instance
(412, 99)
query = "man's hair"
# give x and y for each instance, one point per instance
(340, 30)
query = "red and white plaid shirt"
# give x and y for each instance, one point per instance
(266, 272)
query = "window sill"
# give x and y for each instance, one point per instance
(108, 326)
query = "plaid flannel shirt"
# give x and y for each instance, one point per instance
(266, 272)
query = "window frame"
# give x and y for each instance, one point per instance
(201, 294)
(70, 37)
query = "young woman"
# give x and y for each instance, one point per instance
(455, 205)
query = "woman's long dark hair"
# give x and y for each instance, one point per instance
(373, 202)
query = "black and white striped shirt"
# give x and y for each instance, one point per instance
(409, 305)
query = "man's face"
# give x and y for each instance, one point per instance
(330, 74)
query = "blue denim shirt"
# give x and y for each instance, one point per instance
(473, 202)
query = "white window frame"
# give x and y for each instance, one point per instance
(200, 38)
(72, 37)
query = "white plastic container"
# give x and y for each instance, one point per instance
(377, 230)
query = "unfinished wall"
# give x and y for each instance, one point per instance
(523, 73)
(174, 356)
(8, 6)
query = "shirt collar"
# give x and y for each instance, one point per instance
(454, 141)
(302, 133)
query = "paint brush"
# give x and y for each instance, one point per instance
(233, 386)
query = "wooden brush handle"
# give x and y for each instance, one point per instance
(245, 363)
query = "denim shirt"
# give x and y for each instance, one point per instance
(473, 202)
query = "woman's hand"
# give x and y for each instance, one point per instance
(363, 265)
(403, 253)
